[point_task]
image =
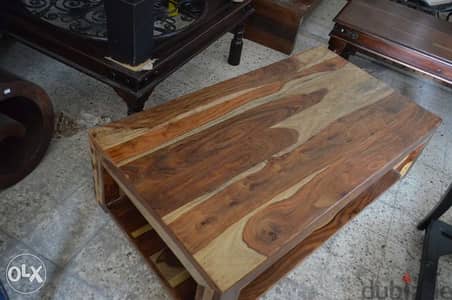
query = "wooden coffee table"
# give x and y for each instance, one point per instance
(226, 189)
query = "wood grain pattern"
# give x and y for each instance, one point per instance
(249, 137)
(393, 32)
(394, 22)
(237, 175)
(280, 268)
(151, 246)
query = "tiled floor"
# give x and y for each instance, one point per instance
(52, 212)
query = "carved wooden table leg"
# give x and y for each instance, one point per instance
(134, 103)
(235, 52)
(26, 127)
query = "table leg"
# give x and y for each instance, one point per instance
(134, 103)
(204, 293)
(444, 205)
(235, 52)
(341, 47)
(105, 188)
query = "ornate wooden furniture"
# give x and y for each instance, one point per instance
(437, 243)
(438, 8)
(128, 44)
(226, 189)
(394, 32)
(26, 127)
(275, 23)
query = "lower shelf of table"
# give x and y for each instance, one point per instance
(177, 279)
(153, 249)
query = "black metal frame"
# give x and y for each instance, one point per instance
(437, 243)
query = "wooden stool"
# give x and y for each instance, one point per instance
(26, 127)
(227, 189)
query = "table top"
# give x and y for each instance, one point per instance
(395, 22)
(237, 174)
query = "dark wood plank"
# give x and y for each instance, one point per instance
(401, 25)
(394, 32)
(177, 174)
(325, 156)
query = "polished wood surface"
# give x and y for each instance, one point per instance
(316, 239)
(399, 24)
(397, 33)
(235, 176)
(275, 23)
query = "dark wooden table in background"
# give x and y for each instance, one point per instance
(90, 56)
(227, 189)
(275, 23)
(395, 32)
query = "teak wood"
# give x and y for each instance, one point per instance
(394, 32)
(226, 189)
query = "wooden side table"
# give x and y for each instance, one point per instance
(226, 189)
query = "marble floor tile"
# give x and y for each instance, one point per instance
(65, 168)
(347, 280)
(378, 215)
(354, 244)
(10, 248)
(66, 228)
(109, 263)
(420, 190)
(312, 270)
(287, 289)
(395, 283)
